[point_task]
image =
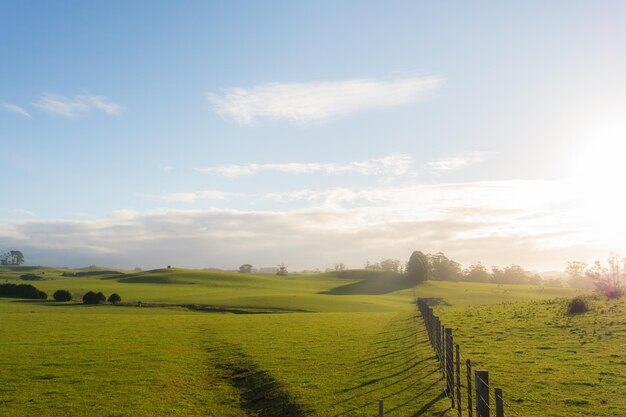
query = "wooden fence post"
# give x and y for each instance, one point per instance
(458, 381)
(381, 408)
(468, 365)
(437, 338)
(450, 364)
(499, 403)
(482, 393)
(442, 334)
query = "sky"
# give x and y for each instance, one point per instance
(212, 134)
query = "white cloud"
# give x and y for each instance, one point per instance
(392, 165)
(166, 168)
(16, 109)
(319, 101)
(457, 162)
(78, 105)
(534, 223)
(190, 197)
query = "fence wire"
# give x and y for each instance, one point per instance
(428, 321)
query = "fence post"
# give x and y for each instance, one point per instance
(468, 365)
(458, 381)
(381, 408)
(499, 403)
(482, 393)
(450, 364)
(442, 334)
(437, 338)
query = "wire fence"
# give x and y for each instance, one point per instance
(480, 398)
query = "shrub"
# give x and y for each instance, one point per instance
(94, 298)
(114, 298)
(578, 305)
(62, 295)
(22, 291)
(31, 277)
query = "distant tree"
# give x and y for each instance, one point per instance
(513, 274)
(137, 268)
(114, 298)
(14, 257)
(22, 291)
(94, 298)
(476, 273)
(577, 276)
(245, 268)
(282, 270)
(339, 266)
(390, 265)
(443, 268)
(418, 269)
(62, 295)
(609, 280)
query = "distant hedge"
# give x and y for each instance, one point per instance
(22, 291)
(31, 277)
(94, 298)
(62, 295)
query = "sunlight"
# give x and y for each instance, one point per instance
(598, 173)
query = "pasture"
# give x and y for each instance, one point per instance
(328, 345)
(549, 362)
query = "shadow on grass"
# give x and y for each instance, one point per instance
(261, 394)
(373, 284)
(401, 368)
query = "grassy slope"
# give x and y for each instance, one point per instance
(547, 362)
(364, 343)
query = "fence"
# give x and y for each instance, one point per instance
(478, 392)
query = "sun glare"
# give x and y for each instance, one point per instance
(598, 173)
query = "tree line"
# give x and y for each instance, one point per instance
(442, 268)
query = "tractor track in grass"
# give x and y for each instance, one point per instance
(260, 394)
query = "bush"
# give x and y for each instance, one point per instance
(114, 298)
(578, 305)
(62, 295)
(94, 298)
(31, 277)
(22, 291)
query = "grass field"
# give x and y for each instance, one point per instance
(341, 341)
(550, 363)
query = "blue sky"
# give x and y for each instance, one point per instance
(214, 134)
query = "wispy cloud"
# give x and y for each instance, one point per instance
(319, 101)
(77, 105)
(15, 109)
(166, 168)
(396, 164)
(457, 162)
(19, 211)
(190, 197)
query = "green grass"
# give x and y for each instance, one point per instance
(548, 363)
(351, 338)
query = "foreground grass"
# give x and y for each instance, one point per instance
(548, 363)
(342, 341)
(118, 361)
